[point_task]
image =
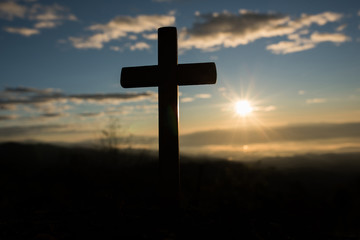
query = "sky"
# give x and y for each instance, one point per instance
(295, 66)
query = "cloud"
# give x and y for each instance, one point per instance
(329, 37)
(116, 48)
(203, 95)
(197, 96)
(264, 108)
(91, 114)
(212, 31)
(46, 24)
(186, 99)
(269, 108)
(230, 30)
(246, 136)
(46, 97)
(50, 13)
(112, 98)
(316, 100)
(120, 27)
(7, 117)
(11, 107)
(147, 108)
(10, 10)
(150, 36)
(301, 44)
(285, 47)
(319, 19)
(139, 46)
(52, 115)
(13, 131)
(29, 105)
(132, 37)
(126, 109)
(22, 89)
(301, 92)
(47, 107)
(27, 32)
(44, 16)
(341, 27)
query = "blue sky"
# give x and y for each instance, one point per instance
(60, 63)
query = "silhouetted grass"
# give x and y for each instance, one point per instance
(50, 192)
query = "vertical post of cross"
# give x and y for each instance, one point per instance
(168, 113)
(168, 75)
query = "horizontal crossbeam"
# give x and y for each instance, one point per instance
(185, 74)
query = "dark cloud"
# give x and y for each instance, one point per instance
(215, 30)
(28, 95)
(100, 97)
(90, 114)
(7, 117)
(44, 16)
(210, 24)
(231, 30)
(30, 90)
(8, 107)
(28, 130)
(51, 115)
(287, 133)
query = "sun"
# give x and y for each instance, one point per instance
(243, 108)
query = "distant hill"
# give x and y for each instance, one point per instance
(52, 192)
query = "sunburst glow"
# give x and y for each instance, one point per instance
(243, 108)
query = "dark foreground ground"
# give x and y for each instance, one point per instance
(49, 192)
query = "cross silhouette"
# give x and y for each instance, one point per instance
(167, 76)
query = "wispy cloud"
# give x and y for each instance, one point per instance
(22, 89)
(7, 117)
(299, 43)
(341, 27)
(50, 13)
(269, 108)
(203, 95)
(52, 103)
(150, 36)
(329, 37)
(245, 136)
(121, 27)
(116, 48)
(10, 10)
(91, 114)
(212, 31)
(52, 115)
(196, 96)
(186, 99)
(139, 46)
(44, 16)
(316, 100)
(46, 24)
(285, 47)
(27, 32)
(50, 95)
(31, 130)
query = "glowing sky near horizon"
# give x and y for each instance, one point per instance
(60, 63)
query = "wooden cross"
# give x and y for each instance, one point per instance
(168, 75)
